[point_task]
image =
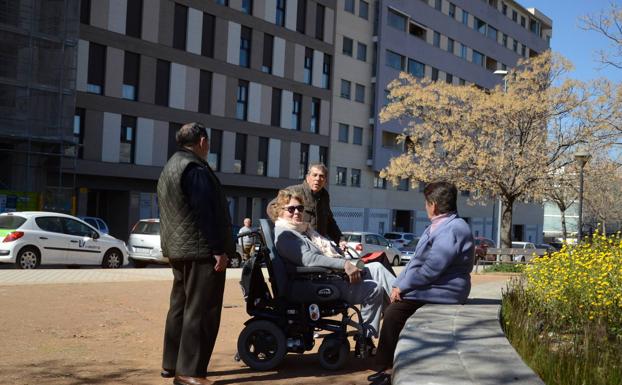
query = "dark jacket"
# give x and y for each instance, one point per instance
(318, 212)
(194, 215)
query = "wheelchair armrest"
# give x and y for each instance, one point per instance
(312, 270)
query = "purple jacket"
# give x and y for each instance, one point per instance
(440, 271)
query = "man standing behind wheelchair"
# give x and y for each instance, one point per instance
(300, 245)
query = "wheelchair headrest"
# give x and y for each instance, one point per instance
(279, 271)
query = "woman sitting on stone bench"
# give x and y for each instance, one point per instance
(300, 245)
(440, 272)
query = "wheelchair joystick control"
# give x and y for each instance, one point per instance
(314, 312)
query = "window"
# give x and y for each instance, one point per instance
(207, 42)
(275, 116)
(215, 149)
(131, 67)
(389, 140)
(241, 108)
(361, 52)
(514, 16)
(524, 50)
(296, 105)
(465, 17)
(303, 163)
(461, 81)
(436, 41)
(280, 13)
(534, 26)
(395, 60)
(85, 11)
(205, 92)
(134, 18)
(78, 134)
(438, 5)
(342, 176)
(180, 28)
(449, 78)
(347, 46)
(323, 155)
(491, 64)
(396, 20)
(492, 32)
(301, 16)
(452, 10)
(96, 72)
(239, 163)
(416, 68)
(73, 227)
(359, 93)
(348, 6)
(379, 182)
(479, 26)
(345, 89)
(326, 72)
(504, 40)
(319, 21)
(262, 156)
(357, 135)
(434, 74)
(355, 177)
(315, 116)
(504, 9)
(344, 133)
(128, 134)
(245, 47)
(268, 49)
(223, 2)
(417, 31)
(403, 185)
(478, 58)
(363, 10)
(522, 21)
(308, 66)
(247, 6)
(450, 45)
(515, 46)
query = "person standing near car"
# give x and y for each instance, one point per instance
(247, 241)
(196, 237)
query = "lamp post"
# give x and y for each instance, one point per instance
(582, 157)
(503, 74)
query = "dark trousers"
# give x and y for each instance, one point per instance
(193, 318)
(395, 316)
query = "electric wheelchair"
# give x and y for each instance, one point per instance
(287, 314)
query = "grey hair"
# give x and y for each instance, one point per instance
(190, 134)
(319, 166)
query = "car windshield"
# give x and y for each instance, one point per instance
(413, 243)
(352, 237)
(11, 222)
(145, 227)
(392, 236)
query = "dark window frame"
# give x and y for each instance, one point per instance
(241, 109)
(128, 122)
(180, 26)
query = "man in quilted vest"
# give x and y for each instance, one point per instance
(196, 237)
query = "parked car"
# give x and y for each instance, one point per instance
(35, 238)
(549, 248)
(408, 251)
(364, 243)
(98, 223)
(557, 245)
(481, 248)
(529, 249)
(144, 245)
(399, 239)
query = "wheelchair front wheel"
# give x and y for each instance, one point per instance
(262, 345)
(334, 353)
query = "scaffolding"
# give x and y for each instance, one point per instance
(38, 56)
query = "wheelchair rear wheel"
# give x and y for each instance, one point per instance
(262, 345)
(334, 353)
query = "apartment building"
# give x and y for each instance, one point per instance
(459, 42)
(257, 73)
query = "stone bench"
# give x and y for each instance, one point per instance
(460, 345)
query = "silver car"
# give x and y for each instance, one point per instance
(144, 243)
(363, 243)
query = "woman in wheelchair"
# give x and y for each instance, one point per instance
(299, 245)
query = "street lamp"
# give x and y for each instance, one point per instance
(582, 157)
(503, 74)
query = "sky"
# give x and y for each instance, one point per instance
(572, 42)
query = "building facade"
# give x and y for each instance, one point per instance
(459, 42)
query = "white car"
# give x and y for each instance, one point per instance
(529, 249)
(144, 243)
(364, 243)
(34, 238)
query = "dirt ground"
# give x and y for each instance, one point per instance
(111, 333)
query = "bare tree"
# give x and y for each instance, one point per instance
(608, 23)
(603, 192)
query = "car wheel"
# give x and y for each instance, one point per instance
(113, 259)
(396, 261)
(235, 261)
(28, 258)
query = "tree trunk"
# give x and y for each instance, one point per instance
(564, 230)
(604, 228)
(506, 223)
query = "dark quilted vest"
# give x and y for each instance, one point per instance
(180, 235)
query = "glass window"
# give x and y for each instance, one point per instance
(223, 2)
(262, 156)
(215, 149)
(417, 31)
(347, 46)
(85, 12)
(315, 116)
(245, 47)
(345, 89)
(128, 139)
(359, 93)
(363, 10)
(449, 78)
(91, 221)
(133, 18)
(355, 177)
(319, 21)
(357, 135)
(268, 49)
(247, 6)
(205, 92)
(97, 69)
(242, 100)
(280, 13)
(379, 182)
(522, 21)
(239, 163)
(465, 17)
(326, 71)
(382, 242)
(438, 5)
(478, 58)
(395, 60)
(361, 52)
(450, 45)
(146, 227)
(344, 131)
(403, 185)
(296, 106)
(303, 165)
(436, 41)
(348, 6)
(492, 32)
(163, 75)
(180, 27)
(301, 16)
(479, 26)
(452, 10)
(51, 224)
(352, 237)
(504, 9)
(73, 227)
(396, 20)
(370, 239)
(308, 66)
(207, 41)
(463, 51)
(434, 74)
(514, 16)
(275, 115)
(131, 71)
(342, 176)
(515, 45)
(504, 40)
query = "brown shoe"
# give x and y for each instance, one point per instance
(183, 380)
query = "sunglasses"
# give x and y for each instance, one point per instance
(291, 209)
